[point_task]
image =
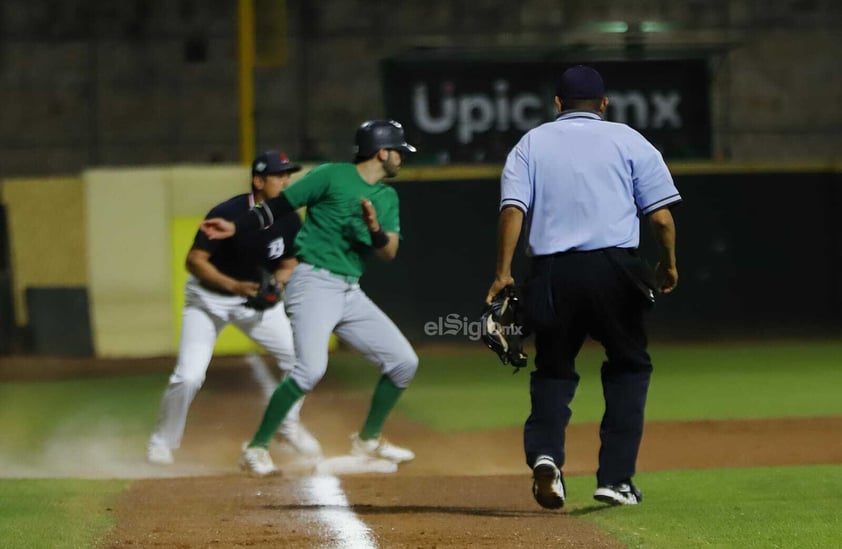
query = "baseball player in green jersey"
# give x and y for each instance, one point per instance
(351, 215)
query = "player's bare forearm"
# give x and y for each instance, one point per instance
(508, 233)
(198, 264)
(663, 229)
(217, 228)
(284, 270)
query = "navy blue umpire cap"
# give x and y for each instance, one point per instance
(580, 82)
(272, 162)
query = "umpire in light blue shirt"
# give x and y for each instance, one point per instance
(576, 186)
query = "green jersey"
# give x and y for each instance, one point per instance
(334, 235)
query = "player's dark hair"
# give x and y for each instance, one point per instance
(253, 188)
(359, 159)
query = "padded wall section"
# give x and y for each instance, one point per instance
(59, 321)
(46, 223)
(128, 235)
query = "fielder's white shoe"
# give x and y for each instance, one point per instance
(379, 448)
(299, 438)
(257, 461)
(159, 455)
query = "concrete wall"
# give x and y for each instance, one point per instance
(47, 240)
(123, 234)
(92, 83)
(113, 231)
(128, 223)
(740, 254)
(130, 213)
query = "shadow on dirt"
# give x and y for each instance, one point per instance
(366, 509)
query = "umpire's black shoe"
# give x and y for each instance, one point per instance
(547, 483)
(624, 493)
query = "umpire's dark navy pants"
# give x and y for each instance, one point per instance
(566, 298)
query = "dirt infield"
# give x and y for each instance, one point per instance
(462, 490)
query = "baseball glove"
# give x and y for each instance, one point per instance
(268, 294)
(502, 328)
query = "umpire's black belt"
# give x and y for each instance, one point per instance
(625, 259)
(630, 251)
(538, 259)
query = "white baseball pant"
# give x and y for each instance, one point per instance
(204, 316)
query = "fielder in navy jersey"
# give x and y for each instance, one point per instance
(223, 274)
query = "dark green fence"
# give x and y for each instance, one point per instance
(760, 255)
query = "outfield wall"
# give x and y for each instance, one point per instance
(759, 249)
(111, 232)
(130, 218)
(759, 253)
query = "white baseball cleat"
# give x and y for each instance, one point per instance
(159, 455)
(257, 461)
(547, 484)
(379, 448)
(300, 439)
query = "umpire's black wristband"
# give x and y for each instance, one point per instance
(379, 238)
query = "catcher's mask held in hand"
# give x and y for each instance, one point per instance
(268, 295)
(502, 329)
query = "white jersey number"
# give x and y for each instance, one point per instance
(276, 248)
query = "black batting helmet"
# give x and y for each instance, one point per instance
(374, 135)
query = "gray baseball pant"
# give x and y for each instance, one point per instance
(319, 303)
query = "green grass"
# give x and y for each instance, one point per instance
(56, 513)
(745, 381)
(467, 389)
(35, 412)
(463, 390)
(760, 508)
(470, 389)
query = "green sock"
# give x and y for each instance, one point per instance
(285, 395)
(385, 396)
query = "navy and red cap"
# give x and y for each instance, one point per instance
(580, 82)
(273, 162)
